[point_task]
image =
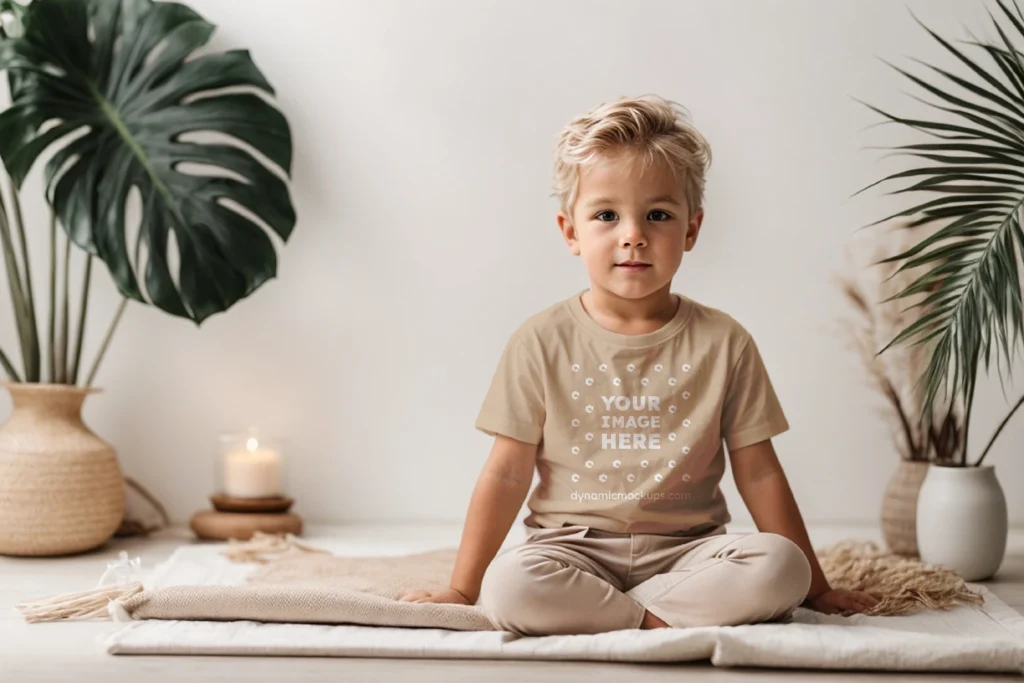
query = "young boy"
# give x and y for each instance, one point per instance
(625, 397)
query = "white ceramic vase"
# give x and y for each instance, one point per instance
(962, 520)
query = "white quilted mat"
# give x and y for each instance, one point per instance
(989, 639)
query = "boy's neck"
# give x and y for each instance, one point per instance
(630, 316)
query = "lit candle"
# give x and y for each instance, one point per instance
(252, 473)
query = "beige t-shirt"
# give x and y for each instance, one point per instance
(630, 428)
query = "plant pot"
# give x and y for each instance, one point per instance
(899, 507)
(61, 489)
(962, 521)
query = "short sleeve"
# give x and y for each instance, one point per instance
(751, 411)
(514, 404)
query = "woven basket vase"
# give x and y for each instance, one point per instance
(899, 507)
(61, 489)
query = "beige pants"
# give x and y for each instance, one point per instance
(575, 579)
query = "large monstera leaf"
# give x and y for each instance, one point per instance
(113, 80)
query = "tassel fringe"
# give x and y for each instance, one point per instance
(106, 602)
(903, 584)
(73, 606)
(263, 548)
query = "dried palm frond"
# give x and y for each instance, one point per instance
(868, 287)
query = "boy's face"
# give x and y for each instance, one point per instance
(621, 216)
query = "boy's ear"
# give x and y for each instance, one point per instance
(568, 231)
(693, 229)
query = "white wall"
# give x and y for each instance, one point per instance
(426, 234)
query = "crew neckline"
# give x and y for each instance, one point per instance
(663, 333)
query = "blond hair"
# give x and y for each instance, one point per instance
(649, 125)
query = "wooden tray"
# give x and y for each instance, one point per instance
(225, 503)
(221, 526)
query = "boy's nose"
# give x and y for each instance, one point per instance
(632, 238)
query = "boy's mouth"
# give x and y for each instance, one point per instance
(633, 265)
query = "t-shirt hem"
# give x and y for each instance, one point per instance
(756, 434)
(521, 431)
(713, 525)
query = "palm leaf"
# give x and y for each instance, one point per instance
(971, 182)
(112, 79)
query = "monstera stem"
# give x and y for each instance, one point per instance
(17, 290)
(52, 332)
(12, 374)
(106, 341)
(83, 307)
(62, 330)
(33, 373)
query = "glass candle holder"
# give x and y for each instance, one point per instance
(251, 465)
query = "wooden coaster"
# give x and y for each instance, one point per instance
(226, 503)
(221, 526)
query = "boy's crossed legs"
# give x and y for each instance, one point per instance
(575, 579)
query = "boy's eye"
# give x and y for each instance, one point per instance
(610, 215)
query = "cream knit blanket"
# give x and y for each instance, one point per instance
(303, 585)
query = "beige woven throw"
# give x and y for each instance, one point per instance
(300, 584)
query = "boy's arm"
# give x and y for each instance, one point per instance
(497, 498)
(765, 490)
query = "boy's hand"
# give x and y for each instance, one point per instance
(842, 601)
(497, 498)
(447, 595)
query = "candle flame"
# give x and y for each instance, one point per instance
(251, 444)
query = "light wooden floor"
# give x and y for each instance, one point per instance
(73, 651)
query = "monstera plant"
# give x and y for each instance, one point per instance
(111, 93)
(115, 102)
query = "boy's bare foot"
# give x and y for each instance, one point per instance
(651, 621)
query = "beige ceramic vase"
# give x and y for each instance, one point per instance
(61, 489)
(899, 507)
